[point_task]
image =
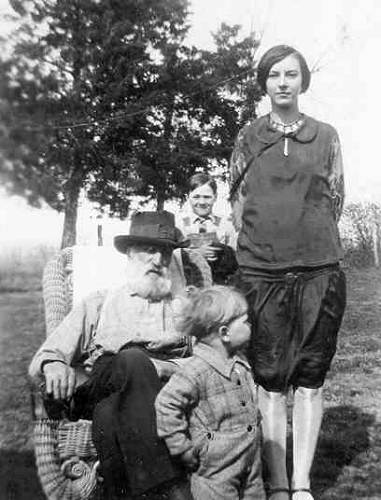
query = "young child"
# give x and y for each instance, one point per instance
(207, 412)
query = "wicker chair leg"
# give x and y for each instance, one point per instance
(74, 479)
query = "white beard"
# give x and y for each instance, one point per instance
(149, 285)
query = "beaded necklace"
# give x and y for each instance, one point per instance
(287, 129)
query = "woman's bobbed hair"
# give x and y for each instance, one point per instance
(276, 54)
(208, 309)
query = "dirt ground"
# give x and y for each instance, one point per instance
(348, 459)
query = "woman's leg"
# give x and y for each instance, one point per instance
(307, 417)
(273, 408)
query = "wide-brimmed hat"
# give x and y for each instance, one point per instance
(152, 228)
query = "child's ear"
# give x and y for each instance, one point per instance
(223, 332)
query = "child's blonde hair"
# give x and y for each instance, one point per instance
(208, 309)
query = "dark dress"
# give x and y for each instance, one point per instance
(287, 194)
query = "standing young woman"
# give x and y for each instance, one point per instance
(287, 194)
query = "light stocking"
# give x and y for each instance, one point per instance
(273, 408)
(306, 422)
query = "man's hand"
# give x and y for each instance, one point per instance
(138, 340)
(59, 379)
(210, 252)
(169, 340)
(190, 459)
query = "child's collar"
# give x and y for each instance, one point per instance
(218, 362)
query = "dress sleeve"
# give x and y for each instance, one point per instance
(236, 168)
(336, 177)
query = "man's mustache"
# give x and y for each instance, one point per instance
(156, 270)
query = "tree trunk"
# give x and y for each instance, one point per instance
(69, 235)
(100, 235)
(73, 185)
(159, 202)
(168, 132)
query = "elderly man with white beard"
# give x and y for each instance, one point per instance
(125, 342)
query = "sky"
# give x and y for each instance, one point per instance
(340, 37)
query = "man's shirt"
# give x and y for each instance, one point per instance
(81, 332)
(193, 224)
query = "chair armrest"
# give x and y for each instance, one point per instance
(56, 288)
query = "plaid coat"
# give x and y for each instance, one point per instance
(207, 398)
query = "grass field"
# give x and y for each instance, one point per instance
(348, 460)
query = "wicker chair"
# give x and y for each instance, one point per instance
(66, 459)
